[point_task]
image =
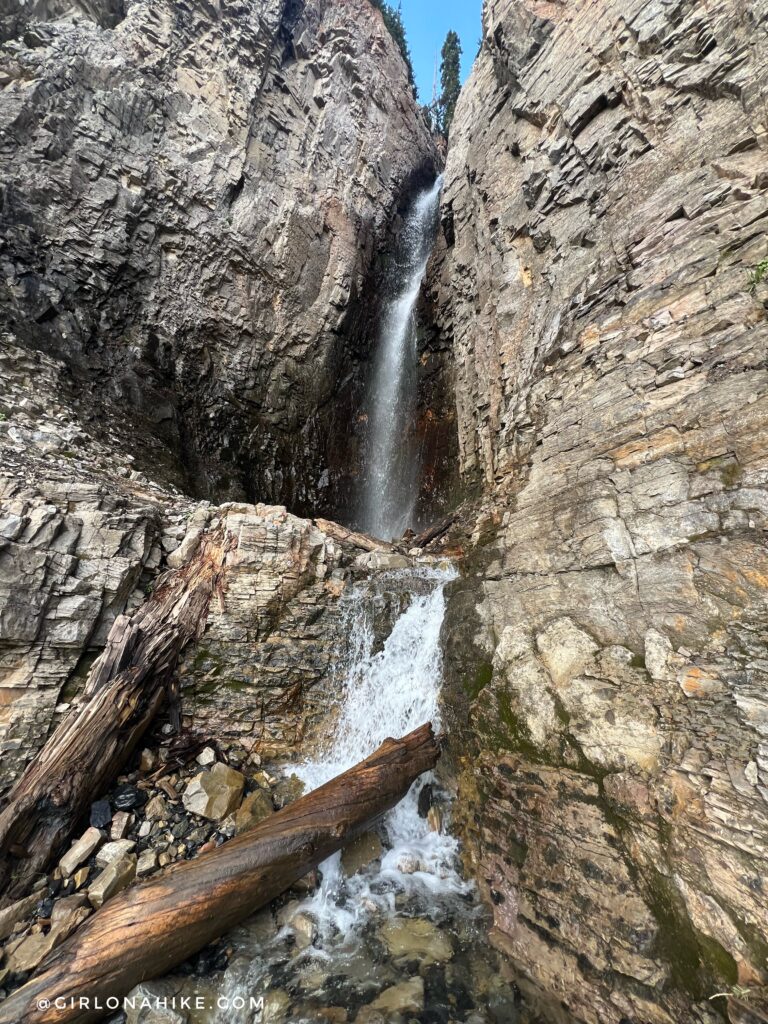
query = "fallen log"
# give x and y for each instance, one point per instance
(149, 929)
(124, 690)
(343, 535)
(433, 532)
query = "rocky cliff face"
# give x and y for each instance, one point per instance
(604, 222)
(193, 199)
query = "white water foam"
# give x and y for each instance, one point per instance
(386, 692)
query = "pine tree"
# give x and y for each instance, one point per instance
(450, 80)
(393, 19)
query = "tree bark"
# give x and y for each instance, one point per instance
(124, 690)
(437, 530)
(345, 536)
(149, 929)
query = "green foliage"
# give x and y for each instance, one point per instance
(450, 80)
(758, 274)
(393, 19)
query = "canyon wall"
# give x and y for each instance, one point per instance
(604, 224)
(194, 199)
(193, 203)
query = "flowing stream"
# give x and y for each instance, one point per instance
(398, 935)
(392, 477)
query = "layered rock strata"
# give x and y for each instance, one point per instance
(604, 227)
(193, 199)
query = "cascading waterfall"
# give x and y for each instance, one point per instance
(387, 692)
(391, 482)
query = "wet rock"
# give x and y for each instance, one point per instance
(277, 1006)
(214, 794)
(118, 874)
(288, 790)
(418, 939)
(80, 851)
(255, 808)
(128, 798)
(101, 813)
(407, 997)
(382, 560)
(361, 852)
(113, 851)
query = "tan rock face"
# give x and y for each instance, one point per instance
(604, 207)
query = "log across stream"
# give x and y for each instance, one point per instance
(150, 928)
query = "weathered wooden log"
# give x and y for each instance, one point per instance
(345, 536)
(125, 687)
(149, 929)
(433, 532)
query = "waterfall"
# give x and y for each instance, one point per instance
(386, 692)
(391, 484)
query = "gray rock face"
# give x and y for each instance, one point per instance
(192, 201)
(604, 208)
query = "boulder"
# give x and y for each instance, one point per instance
(407, 997)
(214, 794)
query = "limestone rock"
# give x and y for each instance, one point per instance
(407, 997)
(118, 874)
(361, 852)
(611, 394)
(80, 851)
(255, 808)
(114, 850)
(214, 794)
(417, 938)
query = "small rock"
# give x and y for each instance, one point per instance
(255, 808)
(18, 911)
(80, 851)
(147, 863)
(111, 851)
(144, 829)
(81, 877)
(128, 798)
(277, 1004)
(120, 824)
(206, 757)
(435, 818)
(64, 907)
(148, 761)
(408, 863)
(288, 790)
(415, 938)
(304, 928)
(360, 853)
(118, 874)
(31, 951)
(164, 859)
(101, 813)
(407, 997)
(214, 794)
(156, 809)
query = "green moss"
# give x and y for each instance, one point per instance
(757, 274)
(483, 676)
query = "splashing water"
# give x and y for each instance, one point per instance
(386, 692)
(391, 485)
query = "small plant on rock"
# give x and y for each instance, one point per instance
(758, 274)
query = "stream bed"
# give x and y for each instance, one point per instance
(387, 931)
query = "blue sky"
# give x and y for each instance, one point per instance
(426, 24)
